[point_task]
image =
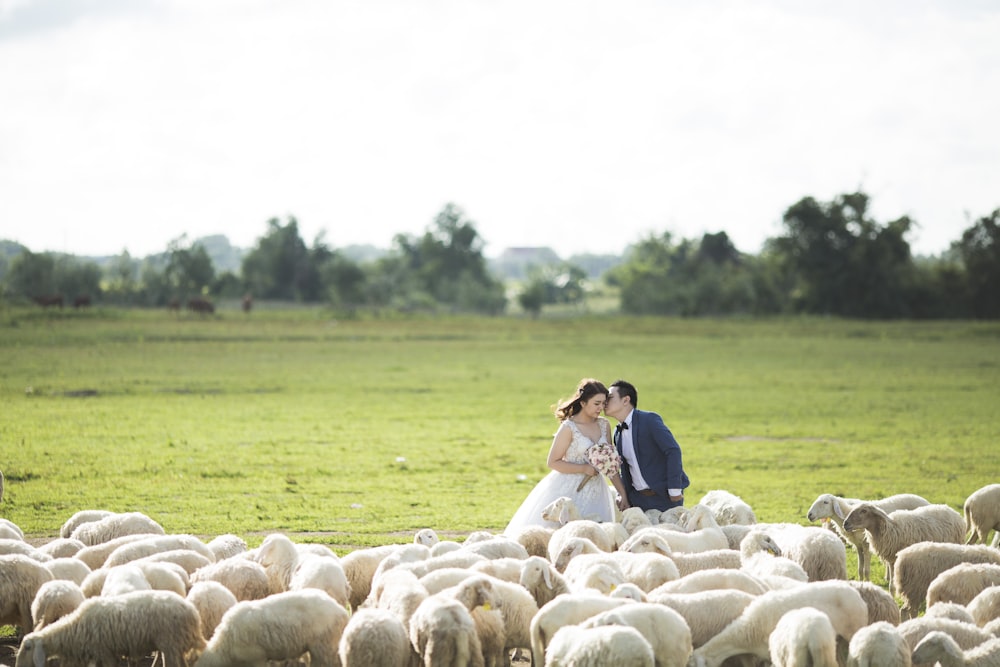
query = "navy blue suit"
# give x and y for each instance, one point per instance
(659, 459)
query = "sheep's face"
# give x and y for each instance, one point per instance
(821, 509)
(862, 516)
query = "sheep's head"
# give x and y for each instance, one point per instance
(824, 507)
(535, 568)
(647, 542)
(757, 541)
(864, 517)
(426, 537)
(573, 547)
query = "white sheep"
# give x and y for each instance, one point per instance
(878, 645)
(359, 566)
(713, 579)
(749, 633)
(617, 645)
(497, 547)
(735, 533)
(96, 555)
(821, 554)
(55, 599)
(602, 577)
(445, 577)
(666, 630)
(62, 547)
(116, 525)
(939, 647)
(952, 610)
(165, 576)
(427, 537)
(966, 635)
(149, 546)
(962, 583)
(398, 591)
(985, 607)
(703, 539)
(227, 546)
(20, 579)
(918, 565)
(890, 533)
(80, 518)
(728, 508)
(686, 563)
(186, 559)
(633, 519)
(568, 609)
(323, 573)
(279, 556)
(629, 591)
(881, 605)
(579, 529)
(828, 507)
(282, 626)
(245, 579)
(761, 556)
(375, 637)
(803, 638)
(508, 569)
(707, 613)
(123, 579)
(982, 514)
(212, 600)
(133, 625)
(534, 539)
(443, 633)
(18, 547)
(68, 568)
(647, 570)
(478, 596)
(542, 580)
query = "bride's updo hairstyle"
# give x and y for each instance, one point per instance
(588, 388)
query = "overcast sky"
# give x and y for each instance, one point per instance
(575, 124)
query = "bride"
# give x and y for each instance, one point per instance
(581, 428)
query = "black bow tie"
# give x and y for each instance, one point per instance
(622, 426)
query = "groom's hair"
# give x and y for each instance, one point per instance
(626, 389)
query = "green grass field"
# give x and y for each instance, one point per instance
(354, 433)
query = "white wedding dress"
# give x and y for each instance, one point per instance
(595, 501)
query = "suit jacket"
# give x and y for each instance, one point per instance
(657, 452)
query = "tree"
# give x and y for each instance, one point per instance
(979, 249)
(32, 275)
(447, 264)
(278, 266)
(189, 271)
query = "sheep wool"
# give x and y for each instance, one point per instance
(375, 637)
(940, 648)
(20, 579)
(132, 625)
(617, 645)
(982, 514)
(282, 626)
(803, 638)
(878, 645)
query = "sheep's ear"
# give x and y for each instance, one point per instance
(547, 576)
(564, 515)
(839, 510)
(38, 654)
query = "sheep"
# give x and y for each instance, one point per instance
(534, 539)
(666, 630)
(70, 569)
(952, 610)
(279, 557)
(713, 579)
(80, 518)
(445, 577)
(761, 556)
(821, 554)
(985, 607)
(116, 525)
(96, 555)
(400, 592)
(542, 580)
(803, 638)
(580, 528)
(124, 579)
(20, 579)
(617, 645)
(703, 539)
(477, 595)
(962, 583)
(982, 514)
(508, 569)
(212, 600)
(427, 537)
(186, 559)
(568, 609)
(939, 647)
(573, 547)
(735, 533)
(918, 565)
(245, 579)
(878, 645)
(165, 576)
(966, 634)
(890, 533)
(323, 573)
(443, 633)
(749, 633)
(11, 547)
(149, 546)
(227, 546)
(55, 599)
(359, 567)
(406, 554)
(707, 613)
(10, 530)
(375, 637)
(133, 625)
(686, 563)
(629, 591)
(61, 547)
(881, 605)
(603, 577)
(728, 508)
(828, 507)
(633, 519)
(498, 547)
(282, 626)
(647, 570)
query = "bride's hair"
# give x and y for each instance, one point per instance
(588, 388)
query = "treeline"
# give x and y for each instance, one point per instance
(832, 259)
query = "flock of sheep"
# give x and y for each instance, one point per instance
(703, 586)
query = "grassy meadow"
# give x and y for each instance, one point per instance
(360, 432)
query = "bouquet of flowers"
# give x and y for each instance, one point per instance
(604, 457)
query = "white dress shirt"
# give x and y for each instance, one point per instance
(628, 453)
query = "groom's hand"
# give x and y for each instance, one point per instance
(676, 499)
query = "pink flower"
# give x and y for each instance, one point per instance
(605, 458)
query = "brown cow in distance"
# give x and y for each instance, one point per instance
(174, 304)
(200, 305)
(49, 300)
(81, 301)
(247, 302)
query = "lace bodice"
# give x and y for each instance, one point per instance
(577, 451)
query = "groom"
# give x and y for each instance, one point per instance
(652, 470)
